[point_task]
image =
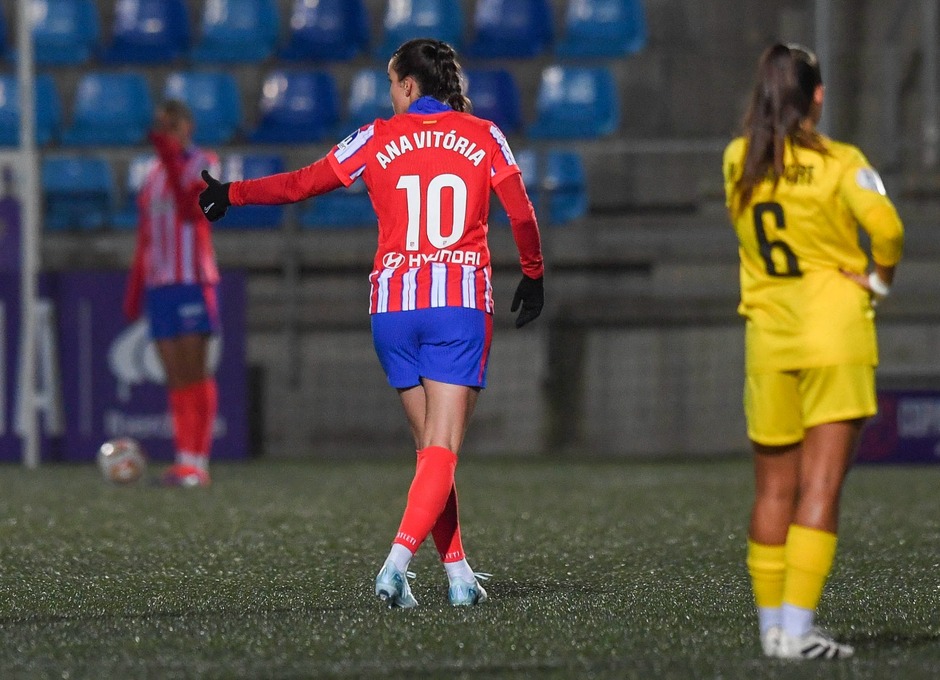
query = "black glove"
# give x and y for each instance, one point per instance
(214, 198)
(531, 293)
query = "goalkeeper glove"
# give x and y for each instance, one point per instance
(530, 293)
(214, 198)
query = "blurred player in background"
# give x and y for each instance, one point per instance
(796, 199)
(173, 280)
(429, 170)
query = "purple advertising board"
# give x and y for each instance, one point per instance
(99, 377)
(112, 379)
(9, 356)
(906, 429)
(49, 411)
(9, 233)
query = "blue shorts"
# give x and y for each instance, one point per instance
(447, 344)
(181, 309)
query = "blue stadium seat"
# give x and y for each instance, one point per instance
(528, 164)
(110, 109)
(137, 170)
(368, 98)
(48, 110)
(148, 32)
(556, 184)
(407, 19)
(65, 31)
(603, 28)
(340, 209)
(78, 192)
(237, 167)
(213, 98)
(327, 30)
(297, 107)
(495, 97)
(575, 103)
(237, 31)
(511, 28)
(564, 185)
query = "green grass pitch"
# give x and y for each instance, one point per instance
(600, 570)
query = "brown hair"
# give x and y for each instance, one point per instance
(176, 110)
(787, 78)
(433, 65)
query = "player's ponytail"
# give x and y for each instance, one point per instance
(433, 64)
(783, 97)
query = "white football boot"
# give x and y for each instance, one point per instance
(467, 593)
(391, 586)
(814, 645)
(770, 641)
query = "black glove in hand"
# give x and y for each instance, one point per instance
(531, 294)
(214, 198)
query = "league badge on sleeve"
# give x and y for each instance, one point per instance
(868, 179)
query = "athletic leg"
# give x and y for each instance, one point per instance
(447, 412)
(193, 401)
(811, 539)
(776, 477)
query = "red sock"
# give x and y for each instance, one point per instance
(206, 408)
(427, 497)
(446, 531)
(194, 408)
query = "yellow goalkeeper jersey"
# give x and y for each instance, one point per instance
(801, 312)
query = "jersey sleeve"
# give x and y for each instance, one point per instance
(348, 158)
(864, 194)
(504, 163)
(525, 228)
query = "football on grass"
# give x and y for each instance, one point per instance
(122, 461)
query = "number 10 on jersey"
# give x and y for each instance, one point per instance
(411, 184)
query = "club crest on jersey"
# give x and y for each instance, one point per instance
(393, 260)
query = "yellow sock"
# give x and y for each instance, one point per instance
(809, 555)
(767, 567)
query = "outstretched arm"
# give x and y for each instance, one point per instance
(285, 187)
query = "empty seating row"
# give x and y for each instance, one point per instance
(299, 106)
(160, 31)
(81, 192)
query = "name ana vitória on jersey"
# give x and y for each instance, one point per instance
(431, 139)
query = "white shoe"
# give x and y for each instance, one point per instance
(391, 586)
(770, 641)
(465, 593)
(814, 645)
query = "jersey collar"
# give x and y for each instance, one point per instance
(427, 104)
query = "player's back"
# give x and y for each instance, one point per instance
(794, 239)
(429, 177)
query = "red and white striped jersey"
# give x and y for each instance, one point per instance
(429, 176)
(174, 239)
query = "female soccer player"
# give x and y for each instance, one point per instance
(796, 199)
(173, 280)
(429, 170)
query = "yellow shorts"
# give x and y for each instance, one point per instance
(780, 406)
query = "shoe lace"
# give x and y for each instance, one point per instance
(482, 575)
